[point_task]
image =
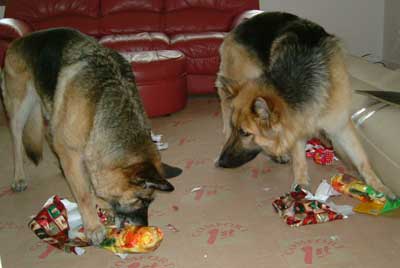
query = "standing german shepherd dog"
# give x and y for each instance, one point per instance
(283, 79)
(96, 123)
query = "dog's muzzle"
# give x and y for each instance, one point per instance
(137, 216)
(227, 160)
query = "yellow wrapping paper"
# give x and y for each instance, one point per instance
(133, 239)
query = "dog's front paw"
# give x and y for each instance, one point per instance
(19, 185)
(304, 183)
(96, 234)
(302, 186)
(281, 159)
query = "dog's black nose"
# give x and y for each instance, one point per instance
(223, 162)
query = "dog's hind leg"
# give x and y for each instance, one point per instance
(33, 136)
(20, 98)
(347, 139)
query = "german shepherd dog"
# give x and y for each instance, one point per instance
(282, 79)
(96, 123)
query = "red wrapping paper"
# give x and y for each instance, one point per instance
(296, 210)
(321, 154)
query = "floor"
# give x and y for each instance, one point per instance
(229, 222)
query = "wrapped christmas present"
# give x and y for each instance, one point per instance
(59, 224)
(372, 201)
(296, 210)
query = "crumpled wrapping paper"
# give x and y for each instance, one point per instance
(59, 224)
(132, 239)
(372, 201)
(300, 207)
(321, 154)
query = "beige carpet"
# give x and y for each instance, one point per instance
(228, 223)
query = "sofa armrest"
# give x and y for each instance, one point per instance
(11, 29)
(244, 16)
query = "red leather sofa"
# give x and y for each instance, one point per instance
(145, 31)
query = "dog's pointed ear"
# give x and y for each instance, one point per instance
(170, 171)
(228, 86)
(261, 108)
(151, 178)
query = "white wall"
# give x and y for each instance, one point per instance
(391, 44)
(359, 23)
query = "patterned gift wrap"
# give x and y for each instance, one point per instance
(133, 239)
(52, 226)
(372, 201)
(296, 210)
(321, 154)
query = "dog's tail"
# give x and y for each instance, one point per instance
(33, 135)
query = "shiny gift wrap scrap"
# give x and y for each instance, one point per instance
(296, 210)
(156, 138)
(51, 225)
(59, 223)
(132, 239)
(321, 154)
(372, 201)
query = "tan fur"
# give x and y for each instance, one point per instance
(19, 100)
(287, 129)
(33, 134)
(236, 62)
(97, 161)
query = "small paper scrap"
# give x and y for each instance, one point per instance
(172, 228)
(321, 154)
(195, 189)
(157, 140)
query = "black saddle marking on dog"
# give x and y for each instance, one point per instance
(300, 65)
(44, 51)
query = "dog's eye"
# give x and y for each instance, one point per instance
(244, 133)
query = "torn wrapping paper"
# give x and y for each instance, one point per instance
(59, 224)
(372, 201)
(51, 225)
(324, 192)
(156, 138)
(132, 239)
(320, 153)
(297, 210)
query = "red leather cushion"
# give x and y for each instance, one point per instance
(43, 14)
(11, 29)
(136, 42)
(161, 79)
(156, 65)
(86, 25)
(201, 84)
(196, 20)
(184, 16)
(36, 10)
(222, 5)
(114, 6)
(201, 51)
(131, 22)
(163, 97)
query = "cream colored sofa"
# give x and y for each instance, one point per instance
(378, 124)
